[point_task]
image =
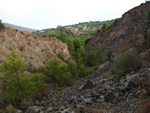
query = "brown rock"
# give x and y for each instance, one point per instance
(109, 97)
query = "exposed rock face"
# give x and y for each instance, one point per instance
(124, 32)
(35, 51)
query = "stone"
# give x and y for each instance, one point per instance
(121, 88)
(50, 109)
(88, 85)
(33, 109)
(109, 97)
(106, 86)
(80, 107)
(73, 100)
(37, 103)
(88, 101)
(18, 111)
(122, 81)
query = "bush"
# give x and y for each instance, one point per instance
(53, 34)
(124, 50)
(38, 81)
(72, 67)
(149, 15)
(126, 63)
(105, 25)
(99, 56)
(16, 86)
(1, 25)
(58, 73)
(82, 72)
(61, 55)
(109, 54)
(91, 59)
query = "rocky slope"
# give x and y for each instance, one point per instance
(124, 33)
(35, 51)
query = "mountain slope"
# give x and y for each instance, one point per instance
(19, 27)
(86, 28)
(35, 51)
(124, 33)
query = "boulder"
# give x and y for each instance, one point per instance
(109, 97)
(88, 85)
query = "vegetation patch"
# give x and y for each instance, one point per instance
(149, 15)
(1, 25)
(16, 85)
(124, 50)
(125, 63)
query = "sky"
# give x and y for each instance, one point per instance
(42, 14)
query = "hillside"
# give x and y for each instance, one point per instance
(124, 33)
(35, 51)
(99, 92)
(85, 29)
(118, 86)
(19, 27)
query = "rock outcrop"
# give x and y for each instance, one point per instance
(124, 33)
(35, 51)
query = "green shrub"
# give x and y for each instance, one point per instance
(82, 52)
(82, 71)
(130, 40)
(112, 71)
(91, 59)
(149, 15)
(1, 25)
(38, 81)
(58, 73)
(72, 67)
(61, 55)
(99, 56)
(105, 25)
(109, 54)
(126, 63)
(16, 86)
(53, 34)
(124, 50)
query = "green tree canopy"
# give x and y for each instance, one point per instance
(105, 25)
(109, 53)
(58, 73)
(99, 56)
(72, 67)
(16, 86)
(70, 45)
(91, 58)
(77, 43)
(62, 37)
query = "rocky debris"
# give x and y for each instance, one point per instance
(105, 95)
